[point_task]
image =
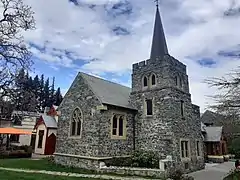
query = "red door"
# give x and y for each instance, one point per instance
(50, 144)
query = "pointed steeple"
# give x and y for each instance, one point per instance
(159, 44)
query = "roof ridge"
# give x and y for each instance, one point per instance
(105, 80)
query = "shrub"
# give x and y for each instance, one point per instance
(233, 175)
(179, 175)
(50, 159)
(234, 148)
(17, 152)
(147, 159)
(137, 159)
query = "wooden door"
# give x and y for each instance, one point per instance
(50, 144)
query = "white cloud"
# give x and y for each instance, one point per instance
(193, 28)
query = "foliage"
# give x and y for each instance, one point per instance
(234, 147)
(35, 94)
(234, 174)
(179, 175)
(16, 17)
(138, 159)
(147, 159)
(17, 152)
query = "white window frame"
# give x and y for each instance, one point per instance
(184, 157)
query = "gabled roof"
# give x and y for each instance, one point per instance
(213, 134)
(26, 113)
(49, 121)
(203, 127)
(109, 92)
(211, 117)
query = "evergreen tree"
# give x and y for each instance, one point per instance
(46, 96)
(35, 94)
(29, 85)
(36, 85)
(20, 79)
(52, 92)
(58, 97)
(26, 82)
(37, 91)
(41, 92)
(20, 84)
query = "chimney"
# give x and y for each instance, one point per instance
(46, 110)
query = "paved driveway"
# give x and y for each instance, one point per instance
(213, 172)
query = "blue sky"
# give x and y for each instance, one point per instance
(105, 37)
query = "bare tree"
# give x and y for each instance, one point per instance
(227, 101)
(15, 17)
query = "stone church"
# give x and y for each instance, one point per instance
(101, 119)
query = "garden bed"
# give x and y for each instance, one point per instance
(17, 152)
(233, 175)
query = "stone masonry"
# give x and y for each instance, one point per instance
(162, 131)
(174, 118)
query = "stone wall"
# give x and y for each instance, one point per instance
(96, 128)
(79, 95)
(163, 130)
(90, 164)
(115, 147)
(154, 173)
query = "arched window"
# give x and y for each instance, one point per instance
(180, 82)
(145, 81)
(76, 122)
(176, 80)
(114, 125)
(118, 127)
(153, 79)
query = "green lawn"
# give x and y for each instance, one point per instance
(42, 164)
(10, 175)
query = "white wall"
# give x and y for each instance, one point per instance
(40, 150)
(23, 140)
(28, 124)
(50, 131)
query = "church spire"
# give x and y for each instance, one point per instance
(159, 44)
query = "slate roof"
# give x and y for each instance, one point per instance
(211, 117)
(109, 92)
(49, 121)
(213, 134)
(159, 44)
(26, 113)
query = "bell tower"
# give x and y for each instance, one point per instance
(160, 92)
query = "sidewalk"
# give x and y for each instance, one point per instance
(99, 176)
(214, 172)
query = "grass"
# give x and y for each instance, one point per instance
(10, 175)
(42, 164)
(45, 164)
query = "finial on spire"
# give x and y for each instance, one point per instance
(156, 1)
(159, 44)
